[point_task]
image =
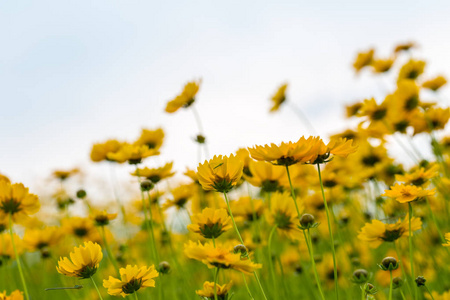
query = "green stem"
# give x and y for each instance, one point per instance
(216, 273)
(431, 295)
(135, 295)
(271, 267)
(246, 286)
(259, 284)
(19, 264)
(154, 248)
(95, 285)
(108, 250)
(331, 233)
(411, 257)
(403, 295)
(292, 191)
(313, 263)
(363, 293)
(403, 267)
(390, 285)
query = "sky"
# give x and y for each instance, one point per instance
(73, 73)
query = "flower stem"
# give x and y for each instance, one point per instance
(216, 274)
(272, 269)
(390, 285)
(95, 285)
(411, 257)
(331, 233)
(313, 263)
(431, 295)
(403, 267)
(108, 250)
(135, 296)
(19, 264)
(246, 286)
(292, 191)
(152, 231)
(242, 241)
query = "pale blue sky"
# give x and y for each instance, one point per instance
(77, 72)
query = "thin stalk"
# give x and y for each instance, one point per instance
(135, 296)
(246, 286)
(363, 294)
(431, 295)
(108, 250)
(313, 263)
(215, 283)
(292, 191)
(155, 250)
(331, 233)
(271, 267)
(403, 267)
(411, 258)
(390, 285)
(403, 295)
(19, 264)
(200, 128)
(95, 285)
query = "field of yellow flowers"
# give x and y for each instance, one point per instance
(312, 218)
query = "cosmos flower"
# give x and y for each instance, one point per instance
(221, 173)
(411, 70)
(40, 239)
(377, 232)
(185, 99)
(407, 193)
(435, 83)
(153, 139)
(180, 196)
(17, 202)
(134, 154)
(101, 217)
(210, 223)
(132, 278)
(208, 290)
(283, 214)
(84, 261)
(100, 151)
(155, 174)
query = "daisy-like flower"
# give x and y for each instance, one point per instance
(278, 98)
(407, 193)
(419, 177)
(221, 173)
(64, 174)
(84, 261)
(208, 290)
(363, 59)
(17, 202)
(377, 232)
(131, 280)
(267, 176)
(134, 154)
(100, 151)
(447, 238)
(404, 47)
(247, 209)
(15, 295)
(435, 83)
(155, 174)
(153, 139)
(101, 217)
(219, 256)
(6, 246)
(185, 99)
(382, 65)
(411, 70)
(210, 223)
(40, 239)
(283, 214)
(180, 196)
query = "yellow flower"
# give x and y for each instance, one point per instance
(406, 97)
(155, 174)
(64, 174)
(267, 176)
(132, 153)
(220, 257)
(221, 173)
(100, 151)
(180, 196)
(17, 202)
(447, 237)
(85, 261)
(40, 239)
(210, 223)
(153, 139)
(411, 70)
(363, 59)
(407, 193)
(6, 246)
(247, 209)
(279, 97)
(185, 99)
(435, 83)
(320, 152)
(208, 290)
(382, 65)
(80, 227)
(437, 296)
(353, 109)
(377, 232)
(283, 214)
(131, 280)
(15, 295)
(102, 218)
(404, 47)
(419, 177)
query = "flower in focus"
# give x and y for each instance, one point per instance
(84, 261)
(208, 290)
(221, 173)
(377, 232)
(363, 59)
(17, 202)
(100, 151)
(435, 83)
(185, 99)
(132, 153)
(407, 193)
(210, 223)
(131, 280)
(447, 238)
(153, 139)
(155, 174)
(279, 97)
